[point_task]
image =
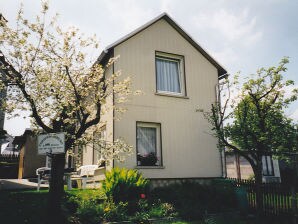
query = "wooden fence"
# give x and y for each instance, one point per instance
(278, 199)
(9, 166)
(10, 158)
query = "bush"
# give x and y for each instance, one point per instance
(84, 206)
(124, 185)
(90, 213)
(161, 210)
(113, 212)
(193, 200)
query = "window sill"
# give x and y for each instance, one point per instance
(149, 167)
(171, 95)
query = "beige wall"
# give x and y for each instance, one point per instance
(188, 149)
(107, 121)
(30, 159)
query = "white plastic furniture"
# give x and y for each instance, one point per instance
(43, 176)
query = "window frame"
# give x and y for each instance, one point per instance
(103, 135)
(181, 73)
(158, 142)
(266, 164)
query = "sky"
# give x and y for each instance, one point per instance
(241, 35)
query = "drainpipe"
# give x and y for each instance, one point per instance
(221, 153)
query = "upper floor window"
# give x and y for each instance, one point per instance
(169, 74)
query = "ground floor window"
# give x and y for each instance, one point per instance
(268, 169)
(148, 144)
(99, 144)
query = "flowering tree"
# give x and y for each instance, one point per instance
(47, 71)
(255, 124)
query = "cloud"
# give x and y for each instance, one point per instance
(294, 115)
(165, 5)
(130, 14)
(229, 33)
(225, 56)
(233, 26)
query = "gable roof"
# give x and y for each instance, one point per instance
(106, 53)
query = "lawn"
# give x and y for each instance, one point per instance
(30, 206)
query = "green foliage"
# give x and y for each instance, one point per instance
(124, 185)
(115, 212)
(251, 177)
(23, 206)
(256, 125)
(84, 205)
(192, 200)
(162, 209)
(89, 212)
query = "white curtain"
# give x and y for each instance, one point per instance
(146, 140)
(167, 75)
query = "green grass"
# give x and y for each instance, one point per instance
(23, 206)
(30, 206)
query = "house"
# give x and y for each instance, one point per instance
(29, 159)
(170, 136)
(238, 167)
(7, 146)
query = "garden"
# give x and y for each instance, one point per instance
(126, 197)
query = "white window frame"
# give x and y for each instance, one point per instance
(181, 76)
(158, 149)
(97, 155)
(267, 162)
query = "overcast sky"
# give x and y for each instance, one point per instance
(241, 35)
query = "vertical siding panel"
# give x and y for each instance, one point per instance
(188, 148)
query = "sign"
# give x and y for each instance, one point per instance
(51, 143)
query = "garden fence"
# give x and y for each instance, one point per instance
(9, 166)
(278, 199)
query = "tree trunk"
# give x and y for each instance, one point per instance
(56, 189)
(259, 191)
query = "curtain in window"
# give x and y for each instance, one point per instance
(267, 165)
(146, 140)
(167, 75)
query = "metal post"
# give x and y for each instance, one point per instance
(38, 182)
(293, 192)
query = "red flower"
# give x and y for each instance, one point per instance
(143, 196)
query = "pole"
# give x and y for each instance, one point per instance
(293, 192)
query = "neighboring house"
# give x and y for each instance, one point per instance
(29, 159)
(238, 167)
(170, 136)
(7, 146)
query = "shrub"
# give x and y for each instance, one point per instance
(124, 185)
(113, 212)
(90, 212)
(84, 206)
(192, 200)
(161, 210)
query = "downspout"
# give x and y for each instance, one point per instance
(113, 83)
(221, 153)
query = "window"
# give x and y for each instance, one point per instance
(169, 74)
(267, 166)
(148, 144)
(98, 144)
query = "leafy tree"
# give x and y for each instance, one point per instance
(256, 124)
(50, 73)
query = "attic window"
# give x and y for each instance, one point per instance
(170, 74)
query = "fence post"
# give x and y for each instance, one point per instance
(293, 204)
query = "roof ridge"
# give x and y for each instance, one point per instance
(178, 28)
